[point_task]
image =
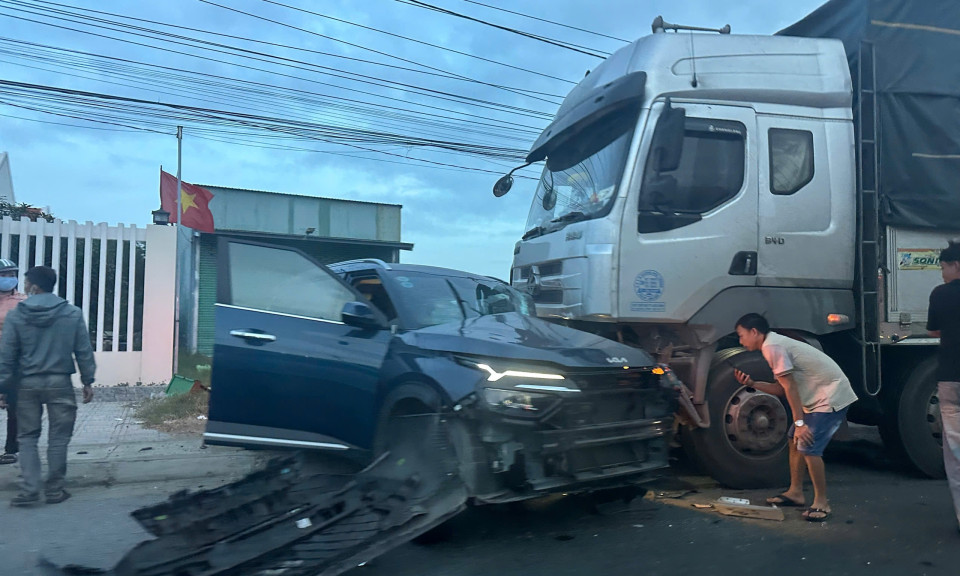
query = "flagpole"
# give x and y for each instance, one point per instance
(176, 318)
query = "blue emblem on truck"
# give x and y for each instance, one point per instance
(648, 285)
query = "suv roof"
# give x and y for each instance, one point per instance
(362, 264)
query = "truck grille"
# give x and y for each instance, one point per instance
(547, 269)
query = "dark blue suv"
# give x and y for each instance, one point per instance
(336, 358)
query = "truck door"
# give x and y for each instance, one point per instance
(692, 231)
(287, 371)
(807, 223)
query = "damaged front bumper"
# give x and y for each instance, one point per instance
(611, 430)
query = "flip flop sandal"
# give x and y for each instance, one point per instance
(810, 518)
(783, 501)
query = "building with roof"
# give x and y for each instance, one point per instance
(328, 229)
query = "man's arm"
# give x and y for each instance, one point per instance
(9, 354)
(83, 352)
(772, 388)
(933, 315)
(789, 385)
(801, 433)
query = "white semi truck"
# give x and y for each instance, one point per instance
(811, 176)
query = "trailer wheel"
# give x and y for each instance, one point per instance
(919, 426)
(746, 443)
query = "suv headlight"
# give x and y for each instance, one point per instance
(529, 375)
(517, 402)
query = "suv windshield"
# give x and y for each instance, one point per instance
(580, 181)
(427, 299)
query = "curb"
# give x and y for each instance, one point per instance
(222, 464)
(111, 472)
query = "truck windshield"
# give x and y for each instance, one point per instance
(425, 299)
(580, 182)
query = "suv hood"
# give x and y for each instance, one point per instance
(527, 338)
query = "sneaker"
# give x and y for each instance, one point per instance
(57, 497)
(8, 458)
(25, 500)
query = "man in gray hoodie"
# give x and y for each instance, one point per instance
(41, 337)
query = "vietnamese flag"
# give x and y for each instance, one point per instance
(194, 201)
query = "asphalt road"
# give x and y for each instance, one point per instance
(886, 521)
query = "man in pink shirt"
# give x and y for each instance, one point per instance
(9, 298)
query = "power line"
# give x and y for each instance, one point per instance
(568, 45)
(137, 107)
(433, 71)
(266, 71)
(423, 131)
(287, 62)
(287, 93)
(304, 10)
(555, 23)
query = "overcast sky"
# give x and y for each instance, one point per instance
(366, 116)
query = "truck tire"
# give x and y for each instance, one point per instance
(746, 443)
(919, 429)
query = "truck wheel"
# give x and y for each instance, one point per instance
(746, 443)
(918, 420)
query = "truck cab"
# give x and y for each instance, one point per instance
(692, 178)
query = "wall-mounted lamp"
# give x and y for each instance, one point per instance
(161, 217)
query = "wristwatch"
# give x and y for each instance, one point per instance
(798, 423)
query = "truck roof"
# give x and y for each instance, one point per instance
(810, 72)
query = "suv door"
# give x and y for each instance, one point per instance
(287, 371)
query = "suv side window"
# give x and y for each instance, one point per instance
(371, 287)
(284, 281)
(791, 160)
(711, 169)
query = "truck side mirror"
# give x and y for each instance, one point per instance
(361, 315)
(668, 138)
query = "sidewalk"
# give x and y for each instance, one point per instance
(110, 447)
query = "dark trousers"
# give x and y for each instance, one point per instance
(11, 446)
(56, 393)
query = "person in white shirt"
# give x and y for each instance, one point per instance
(818, 393)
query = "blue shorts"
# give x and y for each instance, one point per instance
(823, 425)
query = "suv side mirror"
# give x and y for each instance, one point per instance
(668, 138)
(361, 315)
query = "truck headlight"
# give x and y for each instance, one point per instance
(517, 402)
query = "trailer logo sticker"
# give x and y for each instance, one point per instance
(918, 259)
(648, 285)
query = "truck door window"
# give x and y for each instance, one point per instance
(710, 172)
(791, 160)
(284, 281)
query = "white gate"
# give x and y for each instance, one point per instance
(122, 277)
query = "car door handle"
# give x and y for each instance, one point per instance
(259, 336)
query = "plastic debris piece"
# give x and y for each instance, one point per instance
(304, 523)
(749, 511)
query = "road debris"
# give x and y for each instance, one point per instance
(276, 521)
(736, 508)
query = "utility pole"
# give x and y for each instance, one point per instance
(176, 318)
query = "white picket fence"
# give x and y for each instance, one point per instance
(122, 357)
